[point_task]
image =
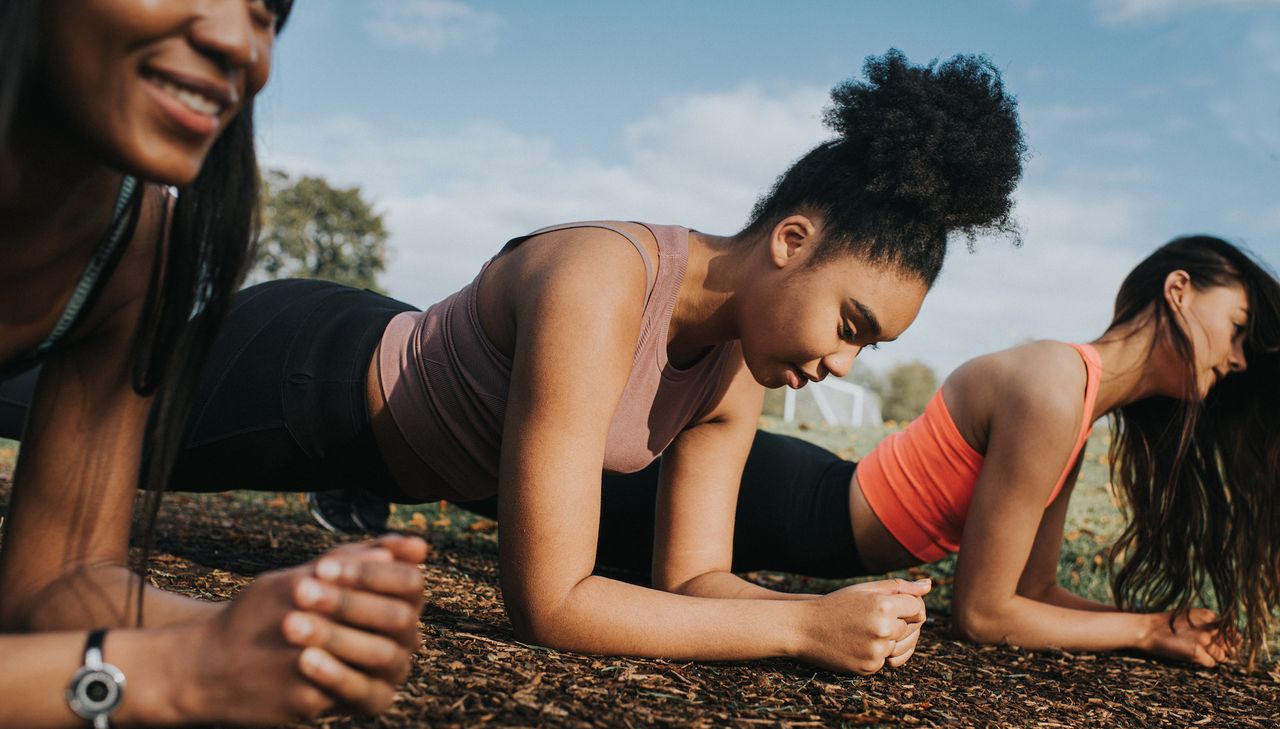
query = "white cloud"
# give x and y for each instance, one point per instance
(1138, 12)
(451, 199)
(1078, 246)
(434, 26)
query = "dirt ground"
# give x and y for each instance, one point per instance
(472, 671)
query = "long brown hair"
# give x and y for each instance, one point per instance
(1200, 479)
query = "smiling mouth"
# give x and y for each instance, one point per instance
(199, 96)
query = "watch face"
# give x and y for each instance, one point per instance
(95, 692)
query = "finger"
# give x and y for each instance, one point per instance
(397, 579)
(405, 547)
(372, 652)
(345, 683)
(895, 586)
(906, 607)
(360, 551)
(906, 629)
(1202, 657)
(386, 615)
(903, 651)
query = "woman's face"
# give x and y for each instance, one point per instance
(149, 84)
(1216, 320)
(803, 322)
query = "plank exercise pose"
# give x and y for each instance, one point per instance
(595, 347)
(102, 106)
(1189, 369)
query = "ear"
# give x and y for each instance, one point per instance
(792, 240)
(1177, 285)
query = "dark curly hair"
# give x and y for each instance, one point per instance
(923, 151)
(1199, 479)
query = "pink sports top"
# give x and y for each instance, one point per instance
(919, 482)
(446, 384)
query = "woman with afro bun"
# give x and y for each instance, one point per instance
(1189, 372)
(592, 348)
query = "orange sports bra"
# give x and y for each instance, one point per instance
(919, 481)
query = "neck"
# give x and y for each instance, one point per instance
(1131, 366)
(703, 315)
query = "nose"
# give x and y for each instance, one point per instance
(1237, 363)
(840, 362)
(225, 29)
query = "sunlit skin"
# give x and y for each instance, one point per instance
(799, 321)
(566, 308)
(131, 71)
(145, 87)
(1021, 408)
(1216, 321)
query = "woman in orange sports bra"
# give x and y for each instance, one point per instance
(1189, 371)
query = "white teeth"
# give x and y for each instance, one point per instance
(193, 100)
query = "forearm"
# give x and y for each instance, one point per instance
(36, 669)
(103, 595)
(727, 585)
(1064, 598)
(605, 616)
(1032, 624)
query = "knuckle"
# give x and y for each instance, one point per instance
(309, 701)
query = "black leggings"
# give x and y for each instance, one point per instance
(281, 407)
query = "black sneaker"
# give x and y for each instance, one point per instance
(369, 511)
(332, 511)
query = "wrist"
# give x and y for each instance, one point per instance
(165, 683)
(1148, 625)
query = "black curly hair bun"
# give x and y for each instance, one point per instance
(941, 138)
(924, 152)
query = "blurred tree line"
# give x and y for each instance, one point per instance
(311, 229)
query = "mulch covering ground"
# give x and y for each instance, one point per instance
(473, 672)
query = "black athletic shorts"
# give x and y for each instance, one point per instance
(793, 513)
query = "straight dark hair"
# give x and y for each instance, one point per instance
(1200, 479)
(196, 272)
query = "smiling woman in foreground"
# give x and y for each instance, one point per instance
(115, 283)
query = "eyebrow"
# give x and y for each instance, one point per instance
(867, 314)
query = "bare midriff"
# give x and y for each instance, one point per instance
(414, 478)
(877, 548)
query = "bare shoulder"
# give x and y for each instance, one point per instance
(1038, 384)
(594, 258)
(586, 281)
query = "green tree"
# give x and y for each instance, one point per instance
(907, 389)
(311, 229)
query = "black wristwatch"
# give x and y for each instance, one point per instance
(96, 690)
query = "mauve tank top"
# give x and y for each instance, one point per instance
(446, 384)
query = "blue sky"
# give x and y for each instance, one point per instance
(468, 123)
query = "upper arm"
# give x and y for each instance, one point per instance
(1041, 572)
(1029, 442)
(698, 491)
(577, 326)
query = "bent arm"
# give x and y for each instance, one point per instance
(698, 495)
(573, 355)
(1006, 587)
(64, 559)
